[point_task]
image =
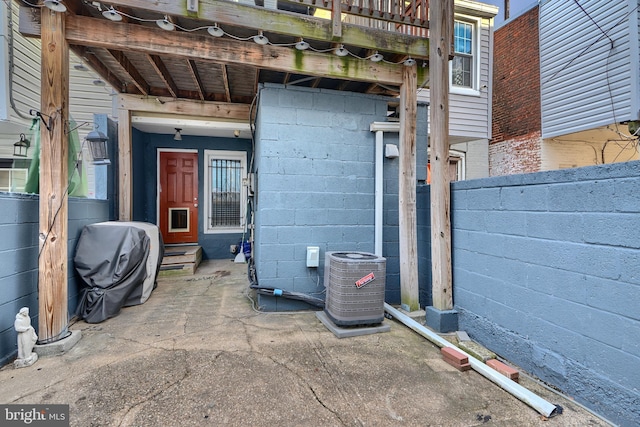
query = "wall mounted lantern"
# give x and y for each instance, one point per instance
(20, 148)
(98, 147)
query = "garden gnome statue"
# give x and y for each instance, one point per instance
(26, 339)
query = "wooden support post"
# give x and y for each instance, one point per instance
(125, 167)
(407, 191)
(336, 19)
(53, 318)
(440, 33)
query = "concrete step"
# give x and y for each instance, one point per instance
(180, 260)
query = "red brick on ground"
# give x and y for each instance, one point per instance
(505, 370)
(455, 358)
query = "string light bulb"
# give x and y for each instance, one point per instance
(341, 51)
(112, 15)
(260, 38)
(302, 45)
(165, 24)
(376, 57)
(215, 31)
(55, 5)
(409, 62)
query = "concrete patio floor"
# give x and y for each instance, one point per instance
(197, 354)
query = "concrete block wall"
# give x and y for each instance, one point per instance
(19, 228)
(315, 183)
(547, 275)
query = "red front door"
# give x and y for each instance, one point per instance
(179, 197)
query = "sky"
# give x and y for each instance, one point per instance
(516, 7)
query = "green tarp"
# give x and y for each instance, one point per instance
(78, 174)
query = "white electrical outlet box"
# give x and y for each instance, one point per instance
(313, 256)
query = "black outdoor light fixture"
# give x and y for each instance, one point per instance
(20, 148)
(98, 146)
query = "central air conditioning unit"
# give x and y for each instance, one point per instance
(354, 283)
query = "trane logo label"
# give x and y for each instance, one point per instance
(366, 279)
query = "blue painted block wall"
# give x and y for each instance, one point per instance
(546, 271)
(145, 182)
(315, 168)
(19, 228)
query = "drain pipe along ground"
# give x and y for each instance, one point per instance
(536, 402)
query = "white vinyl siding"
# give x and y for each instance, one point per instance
(469, 110)
(85, 98)
(584, 82)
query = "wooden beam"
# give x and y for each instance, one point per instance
(87, 31)
(336, 20)
(130, 70)
(164, 74)
(54, 107)
(125, 167)
(225, 82)
(297, 25)
(217, 110)
(409, 293)
(441, 25)
(193, 69)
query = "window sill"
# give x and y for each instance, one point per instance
(224, 231)
(464, 91)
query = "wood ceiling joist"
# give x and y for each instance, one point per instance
(163, 73)
(225, 82)
(343, 85)
(196, 78)
(256, 81)
(98, 66)
(131, 71)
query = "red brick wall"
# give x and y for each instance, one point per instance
(516, 79)
(518, 155)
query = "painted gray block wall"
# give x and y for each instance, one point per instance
(19, 228)
(315, 181)
(547, 275)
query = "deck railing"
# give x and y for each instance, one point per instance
(405, 16)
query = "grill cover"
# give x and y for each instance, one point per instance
(111, 259)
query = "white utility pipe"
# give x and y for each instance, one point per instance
(531, 399)
(380, 128)
(379, 193)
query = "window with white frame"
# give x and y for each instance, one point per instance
(464, 64)
(225, 194)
